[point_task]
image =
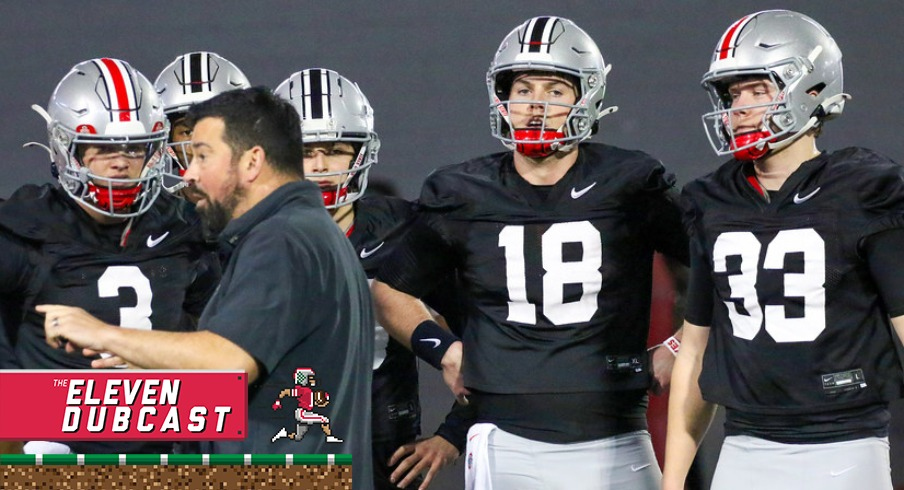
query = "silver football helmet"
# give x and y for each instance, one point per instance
(548, 44)
(332, 108)
(189, 79)
(105, 106)
(801, 60)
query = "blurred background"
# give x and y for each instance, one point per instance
(422, 65)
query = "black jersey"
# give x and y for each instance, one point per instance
(557, 286)
(800, 347)
(379, 221)
(54, 253)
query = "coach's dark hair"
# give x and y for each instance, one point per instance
(256, 117)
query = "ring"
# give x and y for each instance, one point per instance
(56, 322)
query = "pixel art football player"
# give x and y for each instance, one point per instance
(307, 400)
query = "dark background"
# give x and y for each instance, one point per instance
(422, 65)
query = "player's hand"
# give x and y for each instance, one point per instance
(429, 454)
(452, 372)
(662, 360)
(73, 328)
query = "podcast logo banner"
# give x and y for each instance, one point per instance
(83, 405)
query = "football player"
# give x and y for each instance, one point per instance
(191, 78)
(795, 284)
(105, 238)
(340, 146)
(553, 241)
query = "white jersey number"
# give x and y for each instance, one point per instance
(557, 273)
(128, 276)
(809, 284)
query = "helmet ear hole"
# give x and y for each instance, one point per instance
(816, 89)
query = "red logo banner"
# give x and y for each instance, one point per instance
(109, 405)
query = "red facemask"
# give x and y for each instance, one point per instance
(536, 146)
(122, 198)
(752, 153)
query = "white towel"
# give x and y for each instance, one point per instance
(477, 463)
(45, 447)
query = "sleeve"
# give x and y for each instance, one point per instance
(882, 252)
(665, 226)
(254, 308)
(207, 277)
(455, 428)
(421, 259)
(14, 264)
(700, 289)
(14, 275)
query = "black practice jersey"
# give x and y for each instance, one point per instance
(556, 284)
(379, 221)
(54, 253)
(800, 347)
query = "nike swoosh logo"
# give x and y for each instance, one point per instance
(839, 473)
(798, 199)
(637, 467)
(365, 253)
(578, 193)
(152, 242)
(435, 342)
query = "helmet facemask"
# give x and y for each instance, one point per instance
(120, 197)
(352, 182)
(779, 121)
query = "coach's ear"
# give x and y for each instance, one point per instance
(252, 163)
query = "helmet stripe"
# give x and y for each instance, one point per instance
(316, 80)
(195, 82)
(535, 35)
(120, 90)
(730, 38)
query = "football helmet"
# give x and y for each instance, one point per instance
(303, 376)
(548, 44)
(798, 56)
(106, 104)
(189, 79)
(332, 108)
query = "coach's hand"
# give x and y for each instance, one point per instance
(429, 454)
(73, 328)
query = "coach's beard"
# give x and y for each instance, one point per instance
(216, 215)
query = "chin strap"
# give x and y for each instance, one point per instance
(534, 142)
(119, 198)
(330, 198)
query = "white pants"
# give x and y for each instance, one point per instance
(496, 459)
(752, 463)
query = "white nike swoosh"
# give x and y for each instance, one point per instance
(638, 467)
(839, 473)
(578, 193)
(152, 242)
(435, 342)
(798, 199)
(365, 253)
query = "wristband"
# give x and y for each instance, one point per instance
(431, 341)
(672, 344)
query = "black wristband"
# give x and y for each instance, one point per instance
(429, 341)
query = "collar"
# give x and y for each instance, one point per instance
(304, 192)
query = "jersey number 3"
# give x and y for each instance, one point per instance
(809, 284)
(557, 273)
(128, 276)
